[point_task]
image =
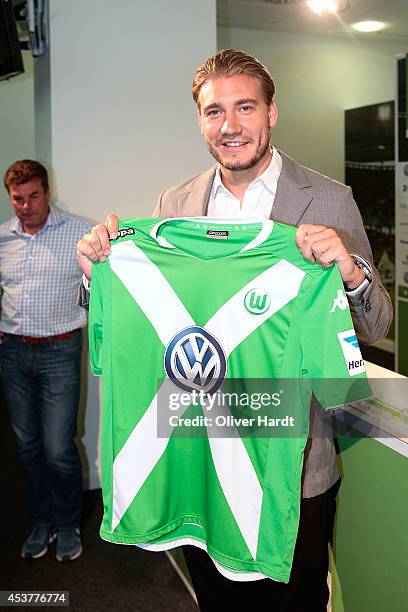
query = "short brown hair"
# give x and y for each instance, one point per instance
(25, 170)
(229, 63)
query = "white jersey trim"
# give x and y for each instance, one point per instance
(265, 232)
(236, 576)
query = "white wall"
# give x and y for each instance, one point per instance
(122, 123)
(16, 125)
(316, 80)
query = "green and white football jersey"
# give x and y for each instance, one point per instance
(194, 303)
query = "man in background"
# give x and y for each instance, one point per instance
(40, 355)
(235, 98)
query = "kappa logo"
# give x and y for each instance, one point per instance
(257, 301)
(194, 359)
(340, 301)
(126, 231)
(351, 352)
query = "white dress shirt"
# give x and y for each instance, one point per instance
(258, 202)
(258, 197)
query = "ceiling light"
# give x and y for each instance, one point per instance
(323, 6)
(368, 26)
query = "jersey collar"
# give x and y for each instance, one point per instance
(266, 229)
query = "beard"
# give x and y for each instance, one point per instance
(238, 165)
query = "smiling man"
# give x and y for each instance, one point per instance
(235, 98)
(236, 131)
(40, 355)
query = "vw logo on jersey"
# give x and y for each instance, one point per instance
(194, 359)
(257, 301)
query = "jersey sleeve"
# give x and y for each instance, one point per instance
(332, 359)
(95, 321)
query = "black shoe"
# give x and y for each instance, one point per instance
(36, 545)
(69, 545)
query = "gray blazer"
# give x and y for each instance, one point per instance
(305, 196)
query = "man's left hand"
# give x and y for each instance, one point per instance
(322, 244)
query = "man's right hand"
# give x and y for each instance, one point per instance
(95, 246)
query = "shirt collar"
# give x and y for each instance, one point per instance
(54, 218)
(15, 225)
(269, 177)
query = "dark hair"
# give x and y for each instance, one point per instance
(23, 171)
(229, 63)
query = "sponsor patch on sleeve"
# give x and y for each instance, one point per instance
(351, 352)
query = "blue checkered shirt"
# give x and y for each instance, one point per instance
(39, 277)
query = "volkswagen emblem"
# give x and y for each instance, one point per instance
(194, 359)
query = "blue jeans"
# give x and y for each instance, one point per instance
(41, 387)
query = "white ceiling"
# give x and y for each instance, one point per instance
(295, 16)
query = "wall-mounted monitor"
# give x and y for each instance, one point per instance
(11, 59)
